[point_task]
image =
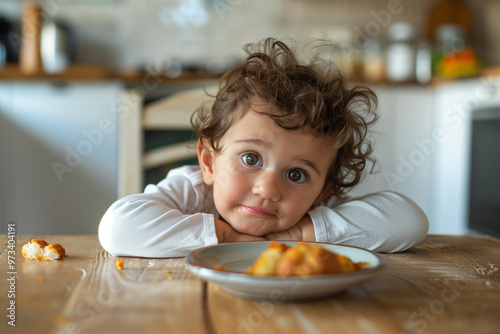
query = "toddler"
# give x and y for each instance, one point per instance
(278, 149)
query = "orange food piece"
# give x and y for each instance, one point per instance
(119, 264)
(41, 250)
(266, 263)
(303, 259)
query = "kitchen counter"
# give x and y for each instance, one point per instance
(445, 284)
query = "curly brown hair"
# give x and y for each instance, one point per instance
(314, 97)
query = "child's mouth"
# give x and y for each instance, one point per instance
(254, 210)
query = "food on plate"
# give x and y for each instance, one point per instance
(219, 267)
(42, 250)
(119, 264)
(267, 262)
(302, 259)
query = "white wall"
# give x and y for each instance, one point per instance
(131, 33)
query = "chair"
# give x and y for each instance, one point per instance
(170, 113)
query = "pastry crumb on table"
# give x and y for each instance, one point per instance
(119, 264)
(41, 250)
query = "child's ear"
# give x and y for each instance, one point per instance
(206, 161)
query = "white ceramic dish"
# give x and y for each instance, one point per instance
(237, 257)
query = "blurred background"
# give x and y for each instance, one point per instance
(66, 65)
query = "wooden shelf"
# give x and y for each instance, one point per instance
(92, 72)
(74, 72)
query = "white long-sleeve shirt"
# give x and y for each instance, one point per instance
(176, 216)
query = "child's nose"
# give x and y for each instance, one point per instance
(267, 186)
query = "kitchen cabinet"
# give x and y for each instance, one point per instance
(456, 106)
(422, 146)
(402, 144)
(58, 149)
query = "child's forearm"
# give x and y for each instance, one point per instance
(302, 231)
(225, 233)
(383, 222)
(143, 225)
(307, 228)
(223, 230)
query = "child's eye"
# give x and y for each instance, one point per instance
(296, 175)
(251, 159)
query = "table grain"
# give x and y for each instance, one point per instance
(447, 284)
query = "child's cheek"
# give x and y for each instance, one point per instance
(222, 180)
(225, 175)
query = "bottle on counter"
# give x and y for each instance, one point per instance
(56, 46)
(450, 28)
(423, 62)
(373, 61)
(452, 56)
(400, 52)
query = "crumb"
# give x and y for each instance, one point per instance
(219, 267)
(119, 264)
(61, 320)
(41, 250)
(40, 279)
(167, 272)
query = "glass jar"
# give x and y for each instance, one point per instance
(452, 56)
(373, 61)
(400, 53)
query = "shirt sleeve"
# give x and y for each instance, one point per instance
(381, 222)
(167, 220)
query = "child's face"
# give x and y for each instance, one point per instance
(265, 177)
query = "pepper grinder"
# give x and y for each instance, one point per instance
(30, 60)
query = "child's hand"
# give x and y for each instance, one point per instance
(302, 231)
(225, 233)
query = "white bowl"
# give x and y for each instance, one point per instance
(238, 257)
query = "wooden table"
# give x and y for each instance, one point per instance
(447, 284)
